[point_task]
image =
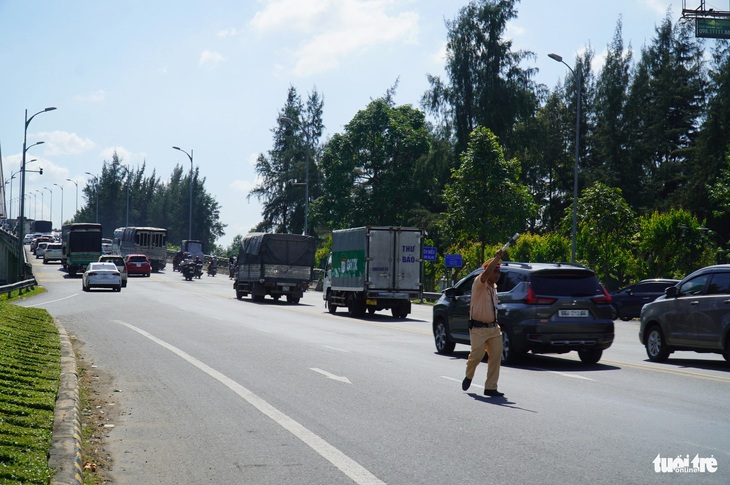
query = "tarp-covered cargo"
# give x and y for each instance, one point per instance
(266, 248)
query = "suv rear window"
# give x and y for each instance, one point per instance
(565, 283)
(138, 259)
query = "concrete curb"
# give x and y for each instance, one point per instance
(65, 453)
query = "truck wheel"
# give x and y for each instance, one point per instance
(331, 307)
(239, 295)
(292, 299)
(355, 306)
(257, 298)
(399, 312)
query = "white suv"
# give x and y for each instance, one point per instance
(53, 252)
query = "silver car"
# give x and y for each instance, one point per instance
(694, 315)
(53, 252)
(101, 275)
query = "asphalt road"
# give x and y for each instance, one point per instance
(217, 390)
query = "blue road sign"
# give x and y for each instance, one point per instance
(453, 260)
(429, 253)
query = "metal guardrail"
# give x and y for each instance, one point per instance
(431, 296)
(28, 284)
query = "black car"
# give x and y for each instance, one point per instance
(693, 315)
(543, 308)
(627, 302)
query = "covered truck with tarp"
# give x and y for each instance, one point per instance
(274, 264)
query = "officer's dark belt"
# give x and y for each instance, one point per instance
(478, 324)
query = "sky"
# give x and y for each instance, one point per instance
(139, 77)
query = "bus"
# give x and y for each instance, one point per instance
(81, 245)
(150, 241)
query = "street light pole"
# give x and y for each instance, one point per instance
(577, 76)
(21, 228)
(96, 189)
(51, 214)
(77, 197)
(306, 171)
(60, 187)
(190, 222)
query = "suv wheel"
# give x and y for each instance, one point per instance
(726, 354)
(509, 354)
(656, 346)
(590, 356)
(441, 339)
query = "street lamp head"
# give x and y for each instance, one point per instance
(177, 148)
(50, 108)
(555, 57)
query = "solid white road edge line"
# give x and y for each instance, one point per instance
(344, 463)
(52, 301)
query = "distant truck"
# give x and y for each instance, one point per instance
(374, 268)
(274, 264)
(41, 227)
(193, 247)
(81, 245)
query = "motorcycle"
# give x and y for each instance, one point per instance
(198, 269)
(187, 270)
(212, 270)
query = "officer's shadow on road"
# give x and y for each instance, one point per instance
(502, 401)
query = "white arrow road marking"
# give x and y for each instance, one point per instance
(344, 463)
(331, 376)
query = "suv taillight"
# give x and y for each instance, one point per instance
(602, 300)
(531, 299)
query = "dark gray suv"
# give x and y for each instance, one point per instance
(543, 308)
(694, 315)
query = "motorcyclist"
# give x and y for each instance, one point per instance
(198, 267)
(213, 266)
(232, 266)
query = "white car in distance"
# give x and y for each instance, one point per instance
(101, 275)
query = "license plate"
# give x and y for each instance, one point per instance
(573, 313)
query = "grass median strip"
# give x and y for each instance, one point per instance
(29, 378)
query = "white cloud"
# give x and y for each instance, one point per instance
(229, 32)
(127, 157)
(335, 29)
(212, 58)
(58, 143)
(95, 97)
(243, 186)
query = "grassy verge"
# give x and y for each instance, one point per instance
(29, 378)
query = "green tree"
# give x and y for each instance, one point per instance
(606, 233)
(151, 203)
(665, 106)
(673, 244)
(485, 200)
(541, 248)
(486, 85)
(371, 171)
(609, 135)
(283, 173)
(712, 162)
